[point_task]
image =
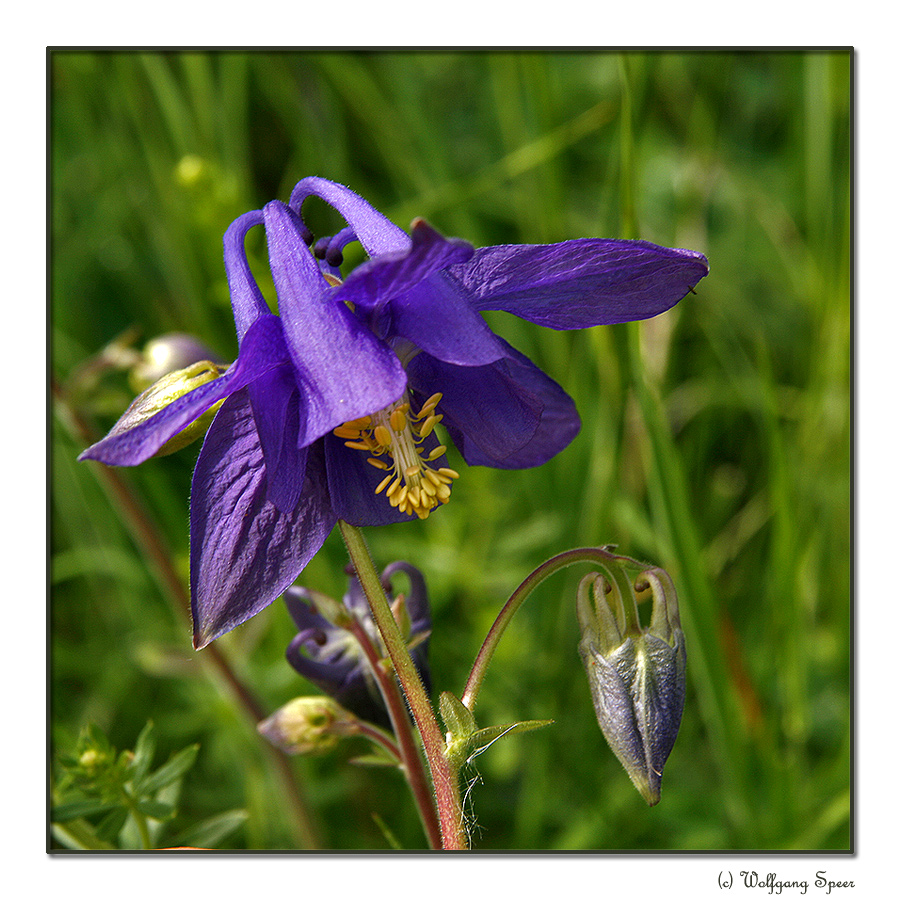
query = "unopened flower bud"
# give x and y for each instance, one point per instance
(168, 353)
(167, 390)
(309, 725)
(637, 675)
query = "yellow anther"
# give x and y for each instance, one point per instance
(398, 420)
(429, 405)
(394, 437)
(427, 426)
(383, 436)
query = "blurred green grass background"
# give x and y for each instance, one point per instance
(716, 439)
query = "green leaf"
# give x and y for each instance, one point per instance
(144, 748)
(79, 835)
(460, 725)
(457, 719)
(92, 736)
(484, 737)
(389, 835)
(375, 759)
(110, 825)
(173, 769)
(212, 831)
(153, 809)
(78, 809)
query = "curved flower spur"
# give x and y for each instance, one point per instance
(330, 656)
(329, 410)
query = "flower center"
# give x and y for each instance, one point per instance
(411, 485)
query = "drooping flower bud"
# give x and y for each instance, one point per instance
(637, 675)
(309, 725)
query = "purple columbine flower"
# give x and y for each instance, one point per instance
(330, 656)
(330, 407)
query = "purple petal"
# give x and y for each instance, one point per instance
(263, 349)
(417, 597)
(344, 371)
(244, 552)
(298, 601)
(328, 676)
(247, 300)
(437, 318)
(508, 415)
(390, 275)
(419, 611)
(404, 294)
(376, 233)
(577, 284)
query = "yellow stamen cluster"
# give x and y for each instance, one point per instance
(411, 485)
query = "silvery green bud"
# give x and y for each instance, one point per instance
(309, 725)
(168, 353)
(637, 675)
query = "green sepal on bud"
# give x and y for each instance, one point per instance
(166, 391)
(637, 675)
(309, 725)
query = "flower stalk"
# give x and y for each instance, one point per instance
(518, 597)
(406, 749)
(444, 776)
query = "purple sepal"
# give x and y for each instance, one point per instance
(508, 415)
(244, 551)
(277, 409)
(580, 283)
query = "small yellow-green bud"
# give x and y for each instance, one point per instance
(89, 759)
(309, 725)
